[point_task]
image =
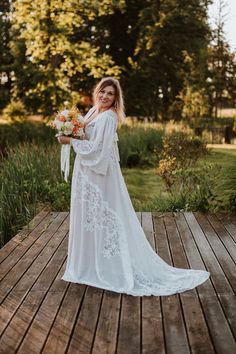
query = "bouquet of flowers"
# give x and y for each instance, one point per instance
(68, 122)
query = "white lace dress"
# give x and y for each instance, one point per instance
(107, 245)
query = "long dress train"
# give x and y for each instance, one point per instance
(107, 246)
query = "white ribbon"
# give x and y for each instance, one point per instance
(65, 160)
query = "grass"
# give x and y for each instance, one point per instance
(145, 186)
(226, 160)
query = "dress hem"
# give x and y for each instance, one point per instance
(200, 281)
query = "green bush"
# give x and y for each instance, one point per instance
(139, 146)
(20, 132)
(180, 152)
(15, 111)
(190, 187)
(228, 185)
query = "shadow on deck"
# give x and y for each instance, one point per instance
(40, 313)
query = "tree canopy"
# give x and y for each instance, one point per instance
(163, 51)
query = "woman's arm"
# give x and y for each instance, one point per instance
(95, 152)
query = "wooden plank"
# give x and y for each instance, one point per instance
(25, 244)
(147, 225)
(15, 332)
(222, 337)
(85, 327)
(152, 328)
(229, 226)
(59, 336)
(223, 235)
(215, 317)
(223, 257)
(40, 326)
(129, 339)
(174, 333)
(197, 330)
(217, 274)
(20, 291)
(13, 276)
(6, 250)
(153, 340)
(172, 314)
(106, 333)
(192, 251)
(161, 240)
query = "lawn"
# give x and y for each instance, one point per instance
(145, 186)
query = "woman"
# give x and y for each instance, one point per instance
(107, 245)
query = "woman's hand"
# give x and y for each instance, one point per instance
(63, 139)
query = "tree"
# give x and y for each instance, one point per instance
(221, 66)
(171, 32)
(56, 52)
(6, 59)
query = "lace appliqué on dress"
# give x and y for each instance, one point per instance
(151, 287)
(99, 216)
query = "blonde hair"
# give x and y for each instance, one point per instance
(118, 103)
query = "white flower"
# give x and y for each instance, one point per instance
(80, 132)
(65, 113)
(67, 130)
(68, 125)
(58, 124)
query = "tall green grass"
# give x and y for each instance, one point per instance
(139, 146)
(26, 177)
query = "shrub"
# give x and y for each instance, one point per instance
(139, 146)
(20, 132)
(190, 187)
(228, 186)
(15, 111)
(180, 152)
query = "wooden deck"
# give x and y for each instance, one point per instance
(40, 313)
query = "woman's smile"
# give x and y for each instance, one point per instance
(106, 97)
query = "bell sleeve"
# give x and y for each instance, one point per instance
(95, 153)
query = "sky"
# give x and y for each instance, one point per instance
(230, 26)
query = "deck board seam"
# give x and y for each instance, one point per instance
(13, 240)
(215, 290)
(56, 314)
(96, 325)
(226, 249)
(44, 246)
(224, 226)
(173, 265)
(216, 258)
(29, 290)
(118, 326)
(27, 249)
(76, 319)
(196, 290)
(40, 304)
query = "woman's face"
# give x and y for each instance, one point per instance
(106, 97)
